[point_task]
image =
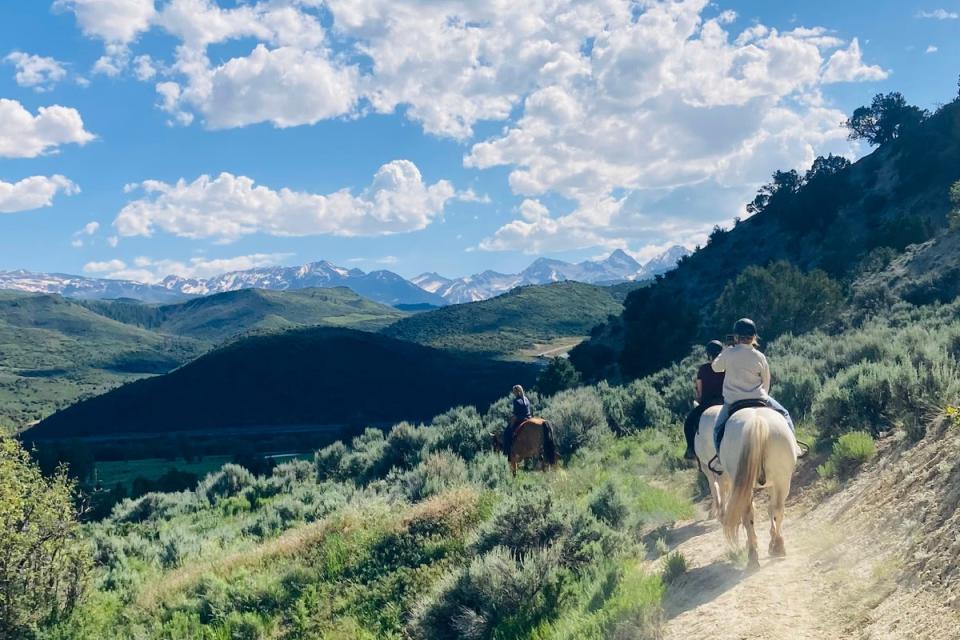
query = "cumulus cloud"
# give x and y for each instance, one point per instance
(149, 270)
(23, 135)
(846, 65)
(932, 49)
(117, 21)
(227, 207)
(39, 72)
(33, 192)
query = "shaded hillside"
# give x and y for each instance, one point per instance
(53, 351)
(513, 321)
(221, 316)
(925, 273)
(303, 377)
(829, 219)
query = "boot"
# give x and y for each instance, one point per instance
(689, 454)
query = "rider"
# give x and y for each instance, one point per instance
(747, 375)
(709, 393)
(521, 412)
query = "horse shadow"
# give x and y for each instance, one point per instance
(710, 582)
(674, 537)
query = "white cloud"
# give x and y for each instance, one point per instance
(33, 192)
(285, 86)
(939, 14)
(113, 241)
(90, 228)
(151, 271)
(227, 207)
(39, 72)
(932, 49)
(23, 135)
(144, 68)
(846, 65)
(118, 21)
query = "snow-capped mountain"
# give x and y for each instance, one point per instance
(381, 286)
(618, 267)
(85, 288)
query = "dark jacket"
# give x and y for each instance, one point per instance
(521, 409)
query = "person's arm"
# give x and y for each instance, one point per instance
(699, 390)
(765, 373)
(719, 364)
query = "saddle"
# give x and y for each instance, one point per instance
(753, 403)
(536, 422)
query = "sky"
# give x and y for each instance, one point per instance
(140, 138)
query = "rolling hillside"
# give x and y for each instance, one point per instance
(53, 351)
(317, 376)
(516, 320)
(222, 316)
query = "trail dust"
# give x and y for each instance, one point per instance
(875, 559)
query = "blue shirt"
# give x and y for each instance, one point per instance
(521, 408)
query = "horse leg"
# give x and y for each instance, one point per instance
(753, 556)
(777, 499)
(513, 466)
(714, 495)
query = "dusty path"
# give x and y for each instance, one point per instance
(873, 560)
(789, 598)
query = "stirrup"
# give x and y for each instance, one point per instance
(710, 466)
(804, 448)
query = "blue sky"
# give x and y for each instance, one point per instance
(421, 135)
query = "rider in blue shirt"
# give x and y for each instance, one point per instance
(521, 412)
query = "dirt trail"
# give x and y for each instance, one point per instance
(850, 567)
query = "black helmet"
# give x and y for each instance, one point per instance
(714, 347)
(745, 328)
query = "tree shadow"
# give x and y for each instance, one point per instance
(699, 586)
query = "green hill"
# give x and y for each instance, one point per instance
(516, 320)
(838, 218)
(53, 351)
(222, 316)
(316, 376)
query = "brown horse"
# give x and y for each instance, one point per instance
(533, 439)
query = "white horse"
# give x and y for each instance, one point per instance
(758, 451)
(704, 448)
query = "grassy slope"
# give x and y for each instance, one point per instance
(513, 321)
(53, 351)
(223, 316)
(308, 376)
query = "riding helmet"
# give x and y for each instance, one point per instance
(745, 328)
(714, 347)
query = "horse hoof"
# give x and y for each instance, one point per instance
(753, 560)
(778, 549)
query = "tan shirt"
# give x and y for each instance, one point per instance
(747, 373)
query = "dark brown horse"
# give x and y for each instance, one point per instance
(533, 439)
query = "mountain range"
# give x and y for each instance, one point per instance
(380, 286)
(618, 267)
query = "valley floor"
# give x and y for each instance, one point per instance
(872, 561)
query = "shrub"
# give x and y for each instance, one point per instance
(530, 520)
(608, 505)
(366, 458)
(674, 566)
(438, 472)
(152, 506)
(495, 596)
(229, 481)
(645, 407)
(489, 469)
(559, 375)
(44, 561)
(461, 430)
(589, 542)
(405, 443)
(578, 419)
(860, 396)
(328, 461)
(849, 452)
(796, 386)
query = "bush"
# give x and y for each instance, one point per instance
(405, 443)
(231, 480)
(645, 407)
(859, 397)
(152, 506)
(328, 461)
(44, 563)
(796, 386)
(609, 506)
(674, 566)
(461, 430)
(578, 419)
(849, 452)
(528, 521)
(365, 461)
(495, 596)
(559, 375)
(437, 473)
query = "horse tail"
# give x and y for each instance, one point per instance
(550, 453)
(753, 440)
